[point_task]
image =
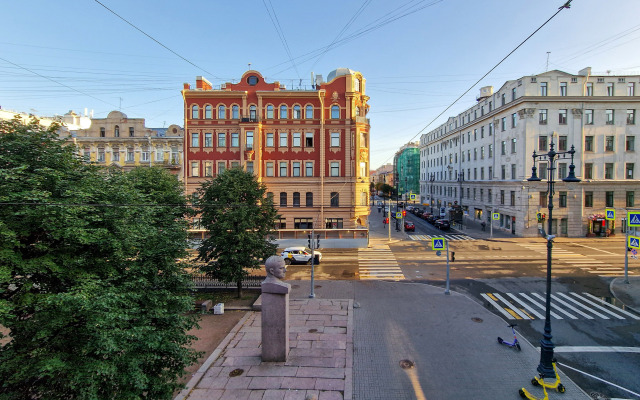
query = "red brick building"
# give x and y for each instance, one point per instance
(310, 147)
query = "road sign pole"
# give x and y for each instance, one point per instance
(446, 291)
(626, 257)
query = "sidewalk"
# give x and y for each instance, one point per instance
(627, 293)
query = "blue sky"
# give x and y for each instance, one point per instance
(417, 56)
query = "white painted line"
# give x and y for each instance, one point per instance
(526, 305)
(600, 379)
(564, 295)
(511, 306)
(554, 315)
(595, 349)
(618, 309)
(594, 248)
(497, 306)
(555, 306)
(564, 303)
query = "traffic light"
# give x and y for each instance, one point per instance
(539, 216)
(404, 213)
(544, 217)
(309, 241)
(453, 256)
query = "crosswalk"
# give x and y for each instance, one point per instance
(448, 237)
(378, 263)
(585, 263)
(569, 305)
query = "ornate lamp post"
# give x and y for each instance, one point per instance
(432, 178)
(545, 368)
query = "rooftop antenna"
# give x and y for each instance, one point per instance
(249, 65)
(548, 52)
(120, 104)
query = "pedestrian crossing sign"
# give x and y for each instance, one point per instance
(399, 215)
(634, 242)
(437, 243)
(496, 216)
(413, 196)
(611, 215)
(633, 218)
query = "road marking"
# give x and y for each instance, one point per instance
(618, 309)
(595, 248)
(497, 306)
(520, 313)
(595, 349)
(534, 302)
(526, 305)
(554, 305)
(378, 263)
(583, 306)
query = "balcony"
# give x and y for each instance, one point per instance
(250, 119)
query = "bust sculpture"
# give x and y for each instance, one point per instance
(276, 270)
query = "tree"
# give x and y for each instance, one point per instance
(240, 219)
(90, 288)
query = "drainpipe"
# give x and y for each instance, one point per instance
(321, 94)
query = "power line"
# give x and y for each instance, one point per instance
(278, 28)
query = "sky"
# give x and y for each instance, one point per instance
(417, 56)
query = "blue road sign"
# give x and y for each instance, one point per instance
(496, 216)
(634, 242)
(611, 215)
(437, 243)
(633, 218)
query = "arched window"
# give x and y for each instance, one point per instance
(234, 112)
(116, 131)
(269, 111)
(309, 112)
(356, 83)
(297, 112)
(194, 112)
(335, 112)
(252, 113)
(283, 112)
(207, 112)
(222, 112)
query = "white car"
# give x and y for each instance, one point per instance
(300, 255)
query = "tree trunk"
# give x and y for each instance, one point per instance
(239, 283)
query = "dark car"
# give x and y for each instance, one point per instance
(425, 215)
(431, 219)
(442, 224)
(409, 226)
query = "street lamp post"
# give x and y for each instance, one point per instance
(545, 368)
(460, 180)
(432, 178)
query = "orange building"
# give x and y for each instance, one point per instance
(309, 146)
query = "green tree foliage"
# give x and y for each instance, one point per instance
(240, 219)
(90, 288)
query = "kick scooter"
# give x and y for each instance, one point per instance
(515, 342)
(540, 382)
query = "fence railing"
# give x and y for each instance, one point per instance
(203, 281)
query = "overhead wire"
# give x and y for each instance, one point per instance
(280, 32)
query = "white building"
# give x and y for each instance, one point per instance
(481, 158)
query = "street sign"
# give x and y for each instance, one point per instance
(634, 242)
(414, 196)
(496, 216)
(611, 215)
(633, 218)
(438, 253)
(437, 243)
(399, 215)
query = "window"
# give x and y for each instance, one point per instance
(144, 154)
(503, 125)
(207, 112)
(631, 89)
(333, 223)
(283, 169)
(608, 171)
(297, 139)
(101, 155)
(296, 200)
(562, 117)
(608, 143)
(309, 202)
(208, 139)
(195, 140)
(235, 164)
(269, 139)
(175, 156)
(335, 168)
(475, 135)
(562, 143)
(513, 94)
(482, 132)
(514, 120)
(221, 167)
(630, 199)
(588, 143)
(503, 147)
(335, 112)
(482, 152)
(269, 111)
(335, 139)
(490, 172)
(481, 176)
(502, 197)
(308, 139)
(235, 139)
(303, 223)
(335, 199)
(235, 113)
(629, 171)
(308, 168)
(283, 199)
(543, 200)
(103, 132)
(115, 155)
(512, 198)
(542, 143)
(563, 88)
(308, 112)
(610, 89)
(195, 170)
(222, 139)
(269, 169)
(491, 129)
(283, 112)
(513, 171)
(513, 145)
(475, 175)
(630, 144)
(542, 117)
(208, 168)
(562, 170)
(490, 150)
(543, 168)
(588, 117)
(609, 199)
(194, 112)
(281, 223)
(222, 112)
(609, 116)
(589, 89)
(503, 99)
(631, 117)
(588, 171)
(283, 139)
(295, 168)
(249, 168)
(543, 88)
(475, 154)
(588, 199)
(249, 140)
(253, 115)
(503, 172)
(297, 112)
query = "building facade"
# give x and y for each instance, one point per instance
(127, 143)
(482, 157)
(406, 164)
(309, 147)
(383, 174)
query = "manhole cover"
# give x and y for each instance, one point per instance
(313, 330)
(236, 372)
(406, 364)
(476, 319)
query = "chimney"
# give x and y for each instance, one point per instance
(585, 71)
(202, 83)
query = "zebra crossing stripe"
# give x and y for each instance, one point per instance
(555, 306)
(621, 311)
(525, 305)
(497, 306)
(534, 302)
(592, 304)
(583, 306)
(564, 303)
(520, 313)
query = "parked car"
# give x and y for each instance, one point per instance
(431, 219)
(409, 226)
(425, 215)
(300, 255)
(442, 224)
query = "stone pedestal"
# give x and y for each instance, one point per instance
(275, 321)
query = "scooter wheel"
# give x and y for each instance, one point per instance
(535, 382)
(521, 392)
(561, 388)
(518, 347)
(500, 340)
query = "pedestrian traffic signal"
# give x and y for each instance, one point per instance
(404, 213)
(453, 256)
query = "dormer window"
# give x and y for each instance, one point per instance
(252, 80)
(116, 131)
